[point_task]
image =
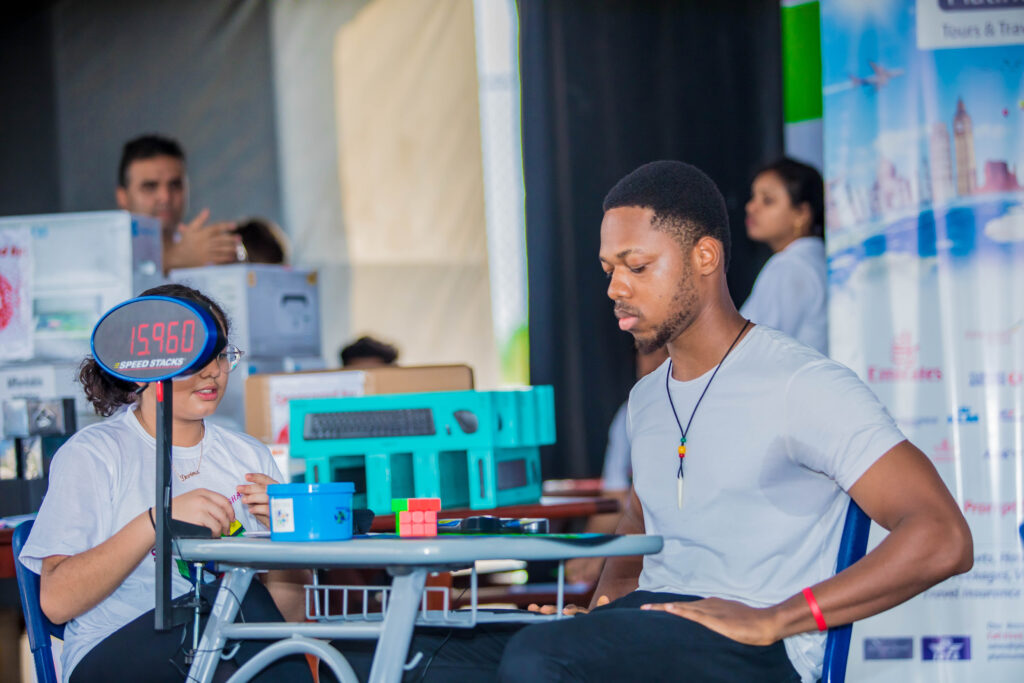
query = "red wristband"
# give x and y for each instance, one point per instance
(819, 618)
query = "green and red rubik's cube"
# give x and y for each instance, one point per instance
(416, 517)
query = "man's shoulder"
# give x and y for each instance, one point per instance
(779, 360)
(651, 382)
(803, 375)
(766, 356)
(766, 352)
(769, 350)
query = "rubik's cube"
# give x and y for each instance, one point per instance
(416, 517)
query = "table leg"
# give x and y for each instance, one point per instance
(403, 605)
(229, 598)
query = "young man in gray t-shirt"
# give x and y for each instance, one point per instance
(746, 449)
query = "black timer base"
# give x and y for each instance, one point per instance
(183, 609)
(181, 529)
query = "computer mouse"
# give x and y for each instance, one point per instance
(467, 421)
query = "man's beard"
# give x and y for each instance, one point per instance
(684, 301)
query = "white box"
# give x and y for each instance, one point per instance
(274, 310)
(46, 381)
(83, 265)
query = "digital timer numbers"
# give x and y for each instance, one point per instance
(175, 336)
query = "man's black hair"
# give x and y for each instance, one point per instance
(685, 201)
(146, 147)
(368, 347)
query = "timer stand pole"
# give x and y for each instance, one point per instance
(166, 527)
(164, 413)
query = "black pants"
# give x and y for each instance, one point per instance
(136, 652)
(617, 642)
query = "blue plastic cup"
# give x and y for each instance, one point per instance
(311, 512)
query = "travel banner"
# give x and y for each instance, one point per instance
(924, 139)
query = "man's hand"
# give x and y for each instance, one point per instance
(200, 244)
(742, 623)
(255, 496)
(206, 508)
(568, 610)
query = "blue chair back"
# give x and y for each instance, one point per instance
(852, 546)
(38, 626)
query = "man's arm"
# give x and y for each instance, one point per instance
(928, 542)
(588, 569)
(621, 574)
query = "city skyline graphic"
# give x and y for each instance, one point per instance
(899, 150)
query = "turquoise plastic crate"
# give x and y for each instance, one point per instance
(475, 449)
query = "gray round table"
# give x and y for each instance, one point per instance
(407, 560)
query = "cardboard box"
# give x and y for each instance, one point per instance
(267, 396)
(231, 411)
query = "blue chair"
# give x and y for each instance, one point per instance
(38, 626)
(852, 546)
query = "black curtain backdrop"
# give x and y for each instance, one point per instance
(29, 181)
(78, 78)
(607, 86)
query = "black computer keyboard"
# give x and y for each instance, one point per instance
(368, 424)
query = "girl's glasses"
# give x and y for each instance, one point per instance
(228, 358)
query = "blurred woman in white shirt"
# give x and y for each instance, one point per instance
(786, 211)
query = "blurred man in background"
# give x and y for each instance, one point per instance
(151, 181)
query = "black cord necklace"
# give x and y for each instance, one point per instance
(684, 432)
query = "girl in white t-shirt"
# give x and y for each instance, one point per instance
(92, 542)
(786, 211)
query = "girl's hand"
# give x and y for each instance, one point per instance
(205, 507)
(255, 496)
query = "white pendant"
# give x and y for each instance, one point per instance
(679, 492)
